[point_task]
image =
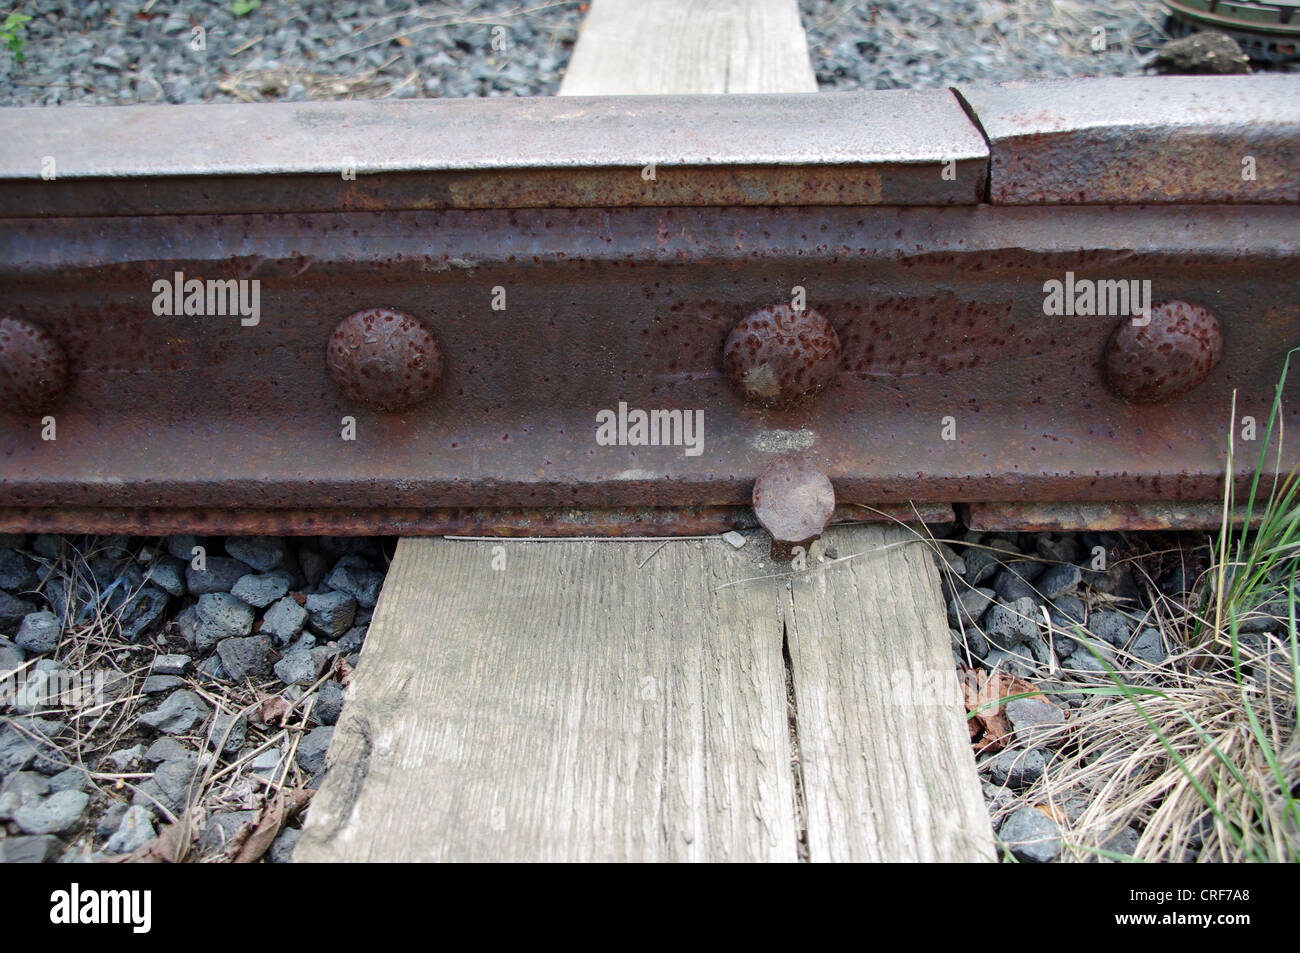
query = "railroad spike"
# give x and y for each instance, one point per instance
(793, 501)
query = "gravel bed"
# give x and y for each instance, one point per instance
(156, 676)
(104, 52)
(1057, 614)
(174, 51)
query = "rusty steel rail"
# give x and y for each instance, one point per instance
(572, 152)
(855, 281)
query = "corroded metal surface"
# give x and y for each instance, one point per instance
(897, 147)
(33, 368)
(504, 522)
(1179, 139)
(384, 359)
(779, 357)
(1165, 354)
(793, 501)
(1056, 517)
(562, 310)
(939, 313)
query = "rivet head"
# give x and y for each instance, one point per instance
(778, 357)
(33, 368)
(793, 501)
(384, 359)
(1166, 357)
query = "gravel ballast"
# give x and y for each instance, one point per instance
(187, 683)
(113, 53)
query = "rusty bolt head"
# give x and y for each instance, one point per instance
(793, 501)
(384, 359)
(778, 357)
(33, 368)
(1167, 357)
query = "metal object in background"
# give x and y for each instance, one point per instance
(1266, 30)
(1057, 517)
(473, 521)
(33, 368)
(939, 313)
(883, 148)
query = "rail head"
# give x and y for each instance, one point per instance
(1176, 140)
(904, 147)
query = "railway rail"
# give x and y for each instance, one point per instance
(1038, 302)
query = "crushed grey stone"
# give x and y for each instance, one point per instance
(1031, 836)
(285, 619)
(1016, 767)
(219, 574)
(263, 553)
(330, 614)
(170, 664)
(179, 712)
(157, 684)
(297, 668)
(29, 850)
(245, 658)
(312, 748)
(238, 725)
(354, 575)
(55, 814)
(134, 831)
(39, 632)
(260, 590)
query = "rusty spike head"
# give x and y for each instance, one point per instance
(778, 357)
(793, 501)
(384, 359)
(1167, 357)
(33, 368)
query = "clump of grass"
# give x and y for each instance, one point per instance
(1201, 754)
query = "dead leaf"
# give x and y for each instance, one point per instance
(984, 694)
(247, 847)
(238, 839)
(275, 710)
(1055, 813)
(171, 846)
